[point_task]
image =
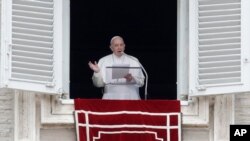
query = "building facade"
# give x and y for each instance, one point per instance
(35, 107)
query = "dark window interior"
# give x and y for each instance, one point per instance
(149, 29)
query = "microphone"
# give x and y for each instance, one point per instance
(146, 75)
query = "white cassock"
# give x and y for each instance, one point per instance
(126, 91)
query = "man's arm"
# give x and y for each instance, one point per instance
(98, 79)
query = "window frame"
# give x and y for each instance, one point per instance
(195, 111)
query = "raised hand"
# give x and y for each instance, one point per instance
(128, 77)
(94, 66)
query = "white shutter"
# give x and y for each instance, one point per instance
(219, 48)
(34, 53)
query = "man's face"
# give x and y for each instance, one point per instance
(118, 47)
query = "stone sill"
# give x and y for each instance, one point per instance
(60, 111)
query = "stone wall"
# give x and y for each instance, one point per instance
(6, 115)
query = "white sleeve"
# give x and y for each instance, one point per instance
(98, 79)
(137, 75)
(139, 79)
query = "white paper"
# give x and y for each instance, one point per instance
(120, 71)
(116, 72)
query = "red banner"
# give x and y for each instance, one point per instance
(128, 120)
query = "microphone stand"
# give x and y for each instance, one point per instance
(146, 76)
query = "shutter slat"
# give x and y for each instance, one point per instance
(220, 12)
(32, 71)
(216, 7)
(219, 41)
(218, 2)
(32, 66)
(47, 62)
(35, 3)
(32, 25)
(219, 69)
(219, 35)
(219, 75)
(219, 23)
(219, 18)
(220, 29)
(33, 20)
(219, 46)
(32, 48)
(32, 31)
(219, 58)
(32, 37)
(32, 54)
(32, 43)
(32, 14)
(33, 8)
(50, 1)
(220, 81)
(219, 52)
(204, 30)
(219, 63)
(32, 77)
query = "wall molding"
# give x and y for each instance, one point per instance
(196, 113)
(53, 111)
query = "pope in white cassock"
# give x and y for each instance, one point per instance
(126, 87)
